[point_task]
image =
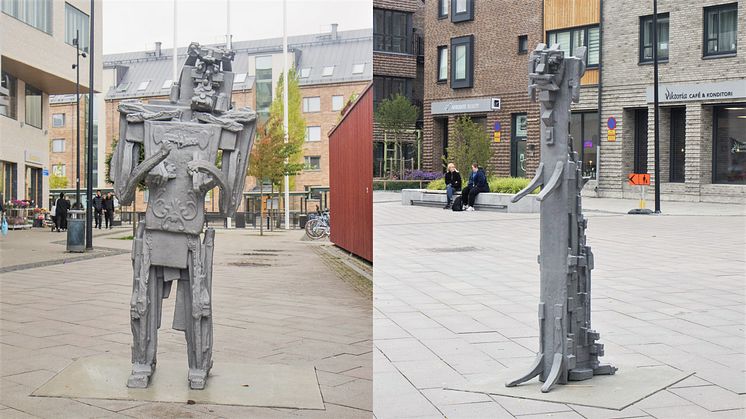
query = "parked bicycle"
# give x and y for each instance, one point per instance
(318, 226)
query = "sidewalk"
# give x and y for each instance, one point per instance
(456, 297)
(275, 302)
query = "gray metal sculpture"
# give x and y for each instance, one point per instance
(192, 143)
(568, 349)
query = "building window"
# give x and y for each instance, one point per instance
(8, 95)
(311, 104)
(392, 31)
(358, 68)
(58, 170)
(58, 145)
(523, 44)
(37, 13)
(305, 72)
(442, 64)
(462, 10)
(240, 78)
(729, 148)
(646, 38)
(143, 85)
(327, 71)
(313, 133)
(76, 22)
(721, 29)
(263, 66)
(338, 102)
(58, 120)
(388, 87)
(443, 8)
(570, 39)
(462, 67)
(584, 131)
(8, 181)
(312, 163)
(33, 106)
(167, 84)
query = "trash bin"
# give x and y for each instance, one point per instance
(240, 220)
(76, 231)
(302, 220)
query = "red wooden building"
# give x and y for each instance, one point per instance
(351, 178)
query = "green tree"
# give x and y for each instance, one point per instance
(57, 182)
(469, 143)
(396, 117)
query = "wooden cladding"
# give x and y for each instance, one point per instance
(559, 14)
(590, 78)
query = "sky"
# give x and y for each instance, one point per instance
(135, 25)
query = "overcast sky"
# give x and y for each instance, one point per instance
(135, 25)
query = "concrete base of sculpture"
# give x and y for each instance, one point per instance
(258, 385)
(629, 385)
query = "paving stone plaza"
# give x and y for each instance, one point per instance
(277, 301)
(455, 299)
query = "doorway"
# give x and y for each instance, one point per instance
(519, 132)
(641, 141)
(678, 145)
(34, 185)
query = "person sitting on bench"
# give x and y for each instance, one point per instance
(477, 183)
(453, 183)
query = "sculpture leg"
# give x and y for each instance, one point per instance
(147, 294)
(535, 370)
(198, 306)
(554, 374)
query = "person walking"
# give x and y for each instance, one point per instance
(453, 183)
(109, 210)
(98, 207)
(477, 184)
(60, 212)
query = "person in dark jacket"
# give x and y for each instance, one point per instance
(109, 210)
(60, 212)
(98, 207)
(477, 184)
(453, 183)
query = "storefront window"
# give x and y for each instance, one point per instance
(729, 154)
(584, 132)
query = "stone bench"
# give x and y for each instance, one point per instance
(485, 200)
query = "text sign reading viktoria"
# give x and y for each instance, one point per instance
(732, 89)
(461, 106)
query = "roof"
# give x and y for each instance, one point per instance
(145, 75)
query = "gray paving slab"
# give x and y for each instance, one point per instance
(667, 291)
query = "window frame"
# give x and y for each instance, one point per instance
(466, 16)
(717, 8)
(12, 95)
(58, 141)
(438, 77)
(307, 166)
(63, 172)
(468, 81)
(41, 106)
(643, 22)
(441, 4)
(383, 38)
(308, 134)
(48, 28)
(586, 36)
(521, 50)
(305, 72)
(84, 33)
(307, 100)
(54, 123)
(342, 104)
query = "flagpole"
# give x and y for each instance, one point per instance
(285, 104)
(175, 68)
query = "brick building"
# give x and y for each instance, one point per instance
(398, 68)
(332, 68)
(702, 99)
(475, 65)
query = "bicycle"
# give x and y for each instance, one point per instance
(318, 227)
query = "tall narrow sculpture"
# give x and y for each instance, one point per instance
(192, 143)
(567, 349)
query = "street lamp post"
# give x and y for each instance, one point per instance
(76, 66)
(89, 166)
(656, 122)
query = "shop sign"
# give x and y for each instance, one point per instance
(461, 106)
(33, 157)
(731, 89)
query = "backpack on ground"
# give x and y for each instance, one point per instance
(458, 204)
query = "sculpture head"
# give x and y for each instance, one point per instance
(208, 77)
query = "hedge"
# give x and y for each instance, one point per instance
(510, 185)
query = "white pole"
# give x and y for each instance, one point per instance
(228, 40)
(285, 104)
(175, 69)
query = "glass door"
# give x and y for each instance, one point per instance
(678, 144)
(519, 132)
(34, 185)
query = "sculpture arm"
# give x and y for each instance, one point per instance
(553, 182)
(537, 181)
(126, 192)
(218, 179)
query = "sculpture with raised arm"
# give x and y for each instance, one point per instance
(192, 143)
(567, 349)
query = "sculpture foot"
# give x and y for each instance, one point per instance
(553, 374)
(140, 377)
(605, 369)
(535, 370)
(197, 379)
